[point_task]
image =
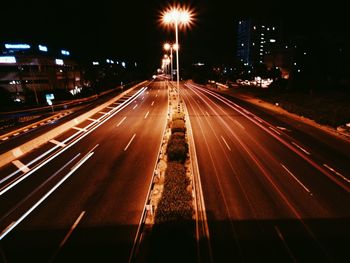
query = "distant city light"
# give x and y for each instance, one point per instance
(43, 48)
(108, 61)
(7, 59)
(272, 40)
(135, 64)
(299, 70)
(17, 46)
(59, 62)
(65, 52)
(123, 64)
(112, 62)
(95, 63)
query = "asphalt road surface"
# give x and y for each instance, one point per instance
(269, 194)
(83, 201)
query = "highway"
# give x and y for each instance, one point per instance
(81, 196)
(271, 194)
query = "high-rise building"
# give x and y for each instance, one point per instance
(255, 40)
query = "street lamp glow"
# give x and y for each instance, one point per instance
(178, 17)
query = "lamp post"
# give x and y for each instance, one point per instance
(168, 46)
(177, 17)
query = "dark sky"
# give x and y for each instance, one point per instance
(130, 29)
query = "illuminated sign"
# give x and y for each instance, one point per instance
(59, 62)
(65, 52)
(43, 48)
(17, 46)
(49, 96)
(7, 59)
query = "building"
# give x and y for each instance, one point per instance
(27, 70)
(255, 40)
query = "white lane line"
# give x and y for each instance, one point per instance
(104, 113)
(17, 152)
(240, 125)
(110, 107)
(94, 120)
(79, 129)
(135, 106)
(121, 121)
(285, 243)
(152, 103)
(34, 127)
(282, 128)
(146, 114)
(43, 123)
(127, 146)
(25, 130)
(57, 143)
(142, 97)
(258, 119)
(228, 147)
(21, 166)
(337, 173)
(207, 113)
(272, 129)
(9, 229)
(301, 148)
(72, 229)
(5, 138)
(157, 95)
(15, 134)
(296, 179)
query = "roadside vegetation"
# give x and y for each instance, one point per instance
(173, 233)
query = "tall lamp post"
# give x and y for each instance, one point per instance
(177, 17)
(168, 46)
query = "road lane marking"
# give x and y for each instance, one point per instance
(17, 152)
(228, 147)
(142, 97)
(146, 114)
(152, 103)
(5, 138)
(282, 128)
(279, 234)
(72, 229)
(104, 113)
(34, 127)
(15, 134)
(21, 166)
(93, 120)
(156, 95)
(127, 146)
(272, 129)
(301, 148)
(109, 107)
(296, 179)
(337, 173)
(9, 229)
(207, 113)
(57, 143)
(240, 125)
(121, 121)
(79, 129)
(25, 130)
(135, 106)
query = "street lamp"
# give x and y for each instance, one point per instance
(168, 46)
(177, 16)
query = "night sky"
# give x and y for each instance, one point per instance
(130, 29)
